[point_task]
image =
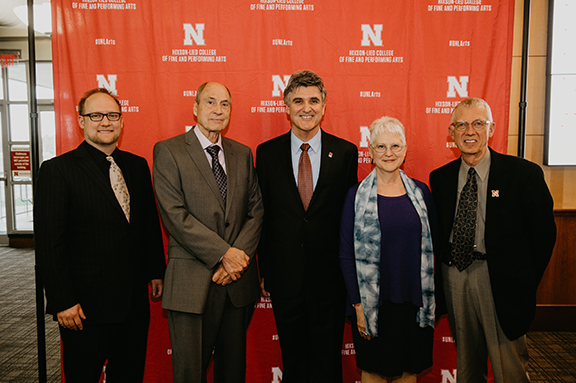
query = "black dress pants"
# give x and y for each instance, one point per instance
(122, 344)
(310, 331)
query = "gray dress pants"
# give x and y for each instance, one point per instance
(476, 330)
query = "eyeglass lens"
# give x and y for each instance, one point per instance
(96, 117)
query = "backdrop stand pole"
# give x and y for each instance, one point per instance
(524, 80)
(34, 152)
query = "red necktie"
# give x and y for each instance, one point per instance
(305, 186)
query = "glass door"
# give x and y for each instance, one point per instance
(16, 196)
(3, 218)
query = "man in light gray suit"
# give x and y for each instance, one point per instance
(210, 202)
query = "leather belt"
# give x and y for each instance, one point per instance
(476, 255)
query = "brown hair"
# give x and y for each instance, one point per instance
(92, 92)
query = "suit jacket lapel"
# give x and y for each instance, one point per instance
(326, 155)
(198, 155)
(285, 166)
(231, 159)
(127, 173)
(325, 158)
(451, 191)
(497, 178)
(86, 163)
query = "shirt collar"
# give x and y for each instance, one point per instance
(206, 142)
(482, 168)
(314, 142)
(97, 154)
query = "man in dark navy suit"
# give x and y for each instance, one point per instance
(304, 176)
(99, 245)
(496, 237)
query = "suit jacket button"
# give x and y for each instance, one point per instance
(305, 219)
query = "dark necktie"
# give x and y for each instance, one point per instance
(464, 234)
(119, 187)
(218, 170)
(305, 186)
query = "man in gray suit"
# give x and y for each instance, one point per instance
(210, 202)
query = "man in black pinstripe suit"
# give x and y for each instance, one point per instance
(95, 259)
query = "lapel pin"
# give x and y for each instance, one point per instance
(330, 154)
(495, 193)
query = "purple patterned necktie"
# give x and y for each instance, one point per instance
(218, 170)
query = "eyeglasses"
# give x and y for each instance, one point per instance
(381, 148)
(97, 117)
(476, 124)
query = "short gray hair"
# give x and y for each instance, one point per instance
(201, 88)
(471, 103)
(387, 124)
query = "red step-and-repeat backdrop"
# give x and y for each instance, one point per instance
(413, 60)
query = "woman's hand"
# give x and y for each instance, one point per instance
(361, 322)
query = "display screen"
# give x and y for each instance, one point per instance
(560, 138)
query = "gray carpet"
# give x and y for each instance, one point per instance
(18, 348)
(552, 354)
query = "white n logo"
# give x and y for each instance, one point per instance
(196, 34)
(276, 375)
(457, 86)
(279, 84)
(372, 34)
(364, 136)
(109, 83)
(448, 377)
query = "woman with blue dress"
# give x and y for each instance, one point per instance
(386, 255)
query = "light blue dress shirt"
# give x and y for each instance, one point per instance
(314, 152)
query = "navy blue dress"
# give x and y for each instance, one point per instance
(401, 345)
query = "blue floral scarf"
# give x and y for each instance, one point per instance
(367, 239)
